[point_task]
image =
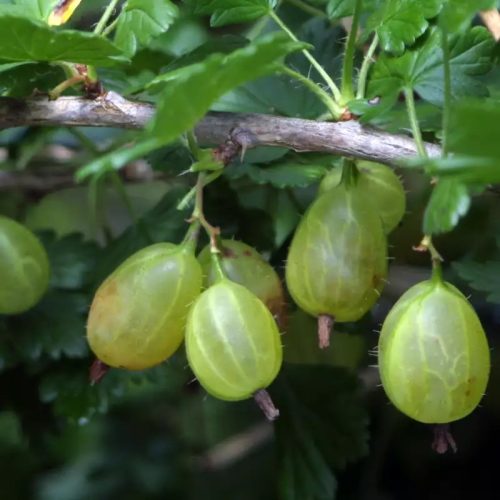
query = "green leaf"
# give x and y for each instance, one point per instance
(457, 14)
(117, 159)
(287, 174)
(233, 11)
(473, 171)
(322, 426)
(183, 104)
(163, 223)
(337, 9)
(224, 44)
(473, 129)
(449, 202)
(38, 9)
(301, 344)
(24, 39)
(422, 67)
(400, 22)
(53, 329)
(141, 20)
(279, 94)
(303, 472)
(68, 389)
(473, 140)
(72, 260)
(22, 78)
(482, 276)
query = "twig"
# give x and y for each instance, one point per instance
(237, 447)
(348, 138)
(45, 181)
(37, 183)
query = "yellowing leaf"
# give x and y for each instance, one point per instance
(62, 12)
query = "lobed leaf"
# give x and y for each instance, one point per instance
(399, 23)
(337, 9)
(193, 89)
(457, 14)
(141, 20)
(422, 67)
(233, 11)
(23, 39)
(318, 430)
(286, 174)
(449, 202)
(482, 276)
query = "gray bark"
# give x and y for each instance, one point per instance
(348, 138)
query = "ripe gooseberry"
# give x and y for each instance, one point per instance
(232, 342)
(380, 185)
(337, 261)
(434, 359)
(244, 265)
(24, 268)
(138, 314)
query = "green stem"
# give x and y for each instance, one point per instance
(332, 106)
(122, 193)
(349, 173)
(326, 77)
(447, 87)
(212, 232)
(68, 68)
(105, 17)
(84, 140)
(307, 8)
(349, 53)
(209, 178)
(257, 28)
(192, 145)
(412, 115)
(95, 198)
(221, 275)
(427, 245)
(191, 238)
(365, 67)
(111, 27)
(198, 213)
(59, 89)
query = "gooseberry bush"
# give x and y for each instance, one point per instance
(207, 209)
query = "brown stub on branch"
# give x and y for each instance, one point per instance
(239, 141)
(443, 439)
(97, 371)
(92, 88)
(263, 399)
(325, 327)
(346, 116)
